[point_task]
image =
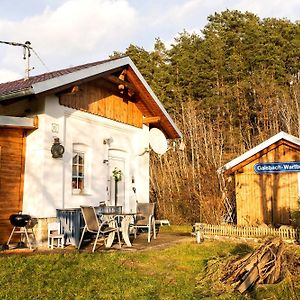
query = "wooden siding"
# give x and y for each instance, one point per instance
(12, 144)
(267, 198)
(102, 99)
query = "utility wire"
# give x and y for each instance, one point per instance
(41, 61)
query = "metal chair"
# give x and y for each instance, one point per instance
(145, 219)
(105, 229)
(55, 234)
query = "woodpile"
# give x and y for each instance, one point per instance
(264, 265)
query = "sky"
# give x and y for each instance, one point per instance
(66, 33)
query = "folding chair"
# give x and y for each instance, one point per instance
(145, 219)
(92, 224)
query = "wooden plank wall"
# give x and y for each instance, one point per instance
(267, 198)
(12, 144)
(102, 101)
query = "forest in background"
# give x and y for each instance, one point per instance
(228, 88)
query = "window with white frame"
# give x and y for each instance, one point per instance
(78, 171)
(80, 176)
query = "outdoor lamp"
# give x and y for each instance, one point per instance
(57, 150)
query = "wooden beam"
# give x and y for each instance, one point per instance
(105, 83)
(151, 120)
(119, 81)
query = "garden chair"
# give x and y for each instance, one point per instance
(145, 219)
(55, 234)
(104, 229)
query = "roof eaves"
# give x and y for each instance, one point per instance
(148, 88)
(18, 122)
(57, 82)
(277, 137)
(69, 78)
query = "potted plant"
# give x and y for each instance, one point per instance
(117, 175)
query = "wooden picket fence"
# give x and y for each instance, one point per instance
(286, 233)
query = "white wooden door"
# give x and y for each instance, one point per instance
(117, 161)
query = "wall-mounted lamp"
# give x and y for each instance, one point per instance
(57, 149)
(108, 141)
(146, 150)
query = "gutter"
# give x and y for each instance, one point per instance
(17, 94)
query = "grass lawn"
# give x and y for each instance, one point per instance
(183, 271)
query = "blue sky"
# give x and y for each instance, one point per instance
(71, 32)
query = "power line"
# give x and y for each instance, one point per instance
(39, 58)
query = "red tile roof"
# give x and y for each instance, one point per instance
(21, 84)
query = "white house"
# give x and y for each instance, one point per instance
(100, 115)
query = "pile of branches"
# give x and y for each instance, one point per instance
(264, 265)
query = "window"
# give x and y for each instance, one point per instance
(78, 174)
(81, 169)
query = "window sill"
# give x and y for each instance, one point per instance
(84, 193)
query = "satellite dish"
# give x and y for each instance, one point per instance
(158, 141)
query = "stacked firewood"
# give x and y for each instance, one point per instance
(264, 265)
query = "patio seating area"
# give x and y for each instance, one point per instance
(87, 226)
(110, 222)
(140, 243)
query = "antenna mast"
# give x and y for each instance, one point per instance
(26, 55)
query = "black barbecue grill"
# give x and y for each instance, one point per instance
(20, 221)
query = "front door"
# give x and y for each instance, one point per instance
(117, 177)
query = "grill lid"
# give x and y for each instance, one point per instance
(19, 220)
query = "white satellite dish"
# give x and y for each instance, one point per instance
(158, 141)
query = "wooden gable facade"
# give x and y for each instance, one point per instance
(103, 98)
(267, 198)
(119, 96)
(12, 159)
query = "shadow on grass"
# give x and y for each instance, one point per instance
(241, 250)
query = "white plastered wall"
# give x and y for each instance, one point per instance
(48, 181)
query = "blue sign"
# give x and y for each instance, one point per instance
(277, 167)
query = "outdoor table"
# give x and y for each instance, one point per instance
(126, 219)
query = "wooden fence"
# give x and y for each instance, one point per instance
(286, 233)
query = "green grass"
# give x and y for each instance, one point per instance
(176, 228)
(184, 271)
